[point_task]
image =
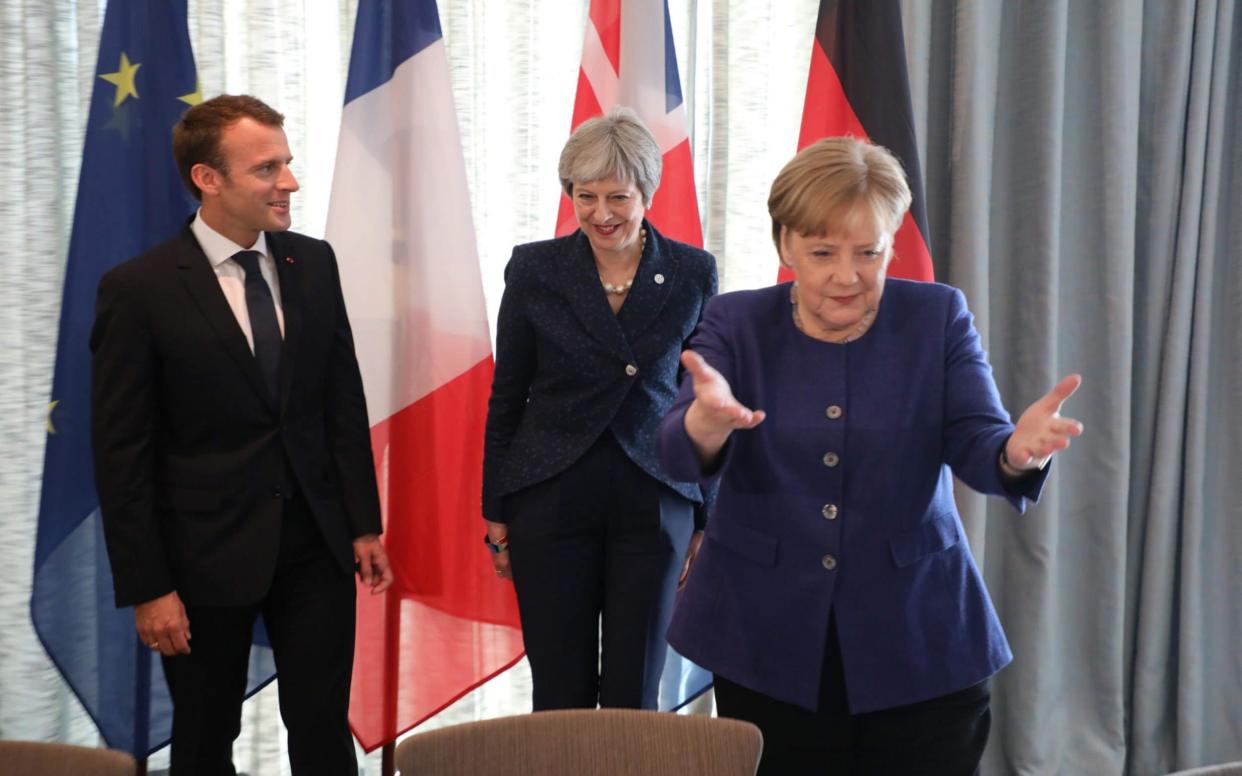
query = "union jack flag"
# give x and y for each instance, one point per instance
(628, 59)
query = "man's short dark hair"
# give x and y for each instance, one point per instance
(196, 137)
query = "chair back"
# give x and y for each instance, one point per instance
(604, 742)
(42, 758)
(1224, 769)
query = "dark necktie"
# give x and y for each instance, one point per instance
(263, 326)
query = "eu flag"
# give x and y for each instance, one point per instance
(129, 198)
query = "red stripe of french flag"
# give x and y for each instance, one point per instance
(400, 222)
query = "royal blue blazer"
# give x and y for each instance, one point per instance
(841, 501)
(568, 369)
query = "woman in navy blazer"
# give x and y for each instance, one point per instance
(579, 512)
(835, 597)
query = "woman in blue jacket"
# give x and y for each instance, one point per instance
(579, 512)
(835, 597)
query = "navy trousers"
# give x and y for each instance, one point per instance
(309, 615)
(943, 736)
(601, 541)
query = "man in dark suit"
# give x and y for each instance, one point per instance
(232, 450)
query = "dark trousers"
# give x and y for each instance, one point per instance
(943, 736)
(601, 539)
(309, 615)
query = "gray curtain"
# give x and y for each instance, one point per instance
(1083, 174)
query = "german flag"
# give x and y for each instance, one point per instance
(859, 86)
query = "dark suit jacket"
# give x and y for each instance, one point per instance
(192, 457)
(568, 369)
(870, 532)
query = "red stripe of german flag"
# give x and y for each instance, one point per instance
(859, 86)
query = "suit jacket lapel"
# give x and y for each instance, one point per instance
(653, 283)
(204, 287)
(292, 305)
(576, 274)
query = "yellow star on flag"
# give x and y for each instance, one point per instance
(123, 79)
(51, 407)
(195, 97)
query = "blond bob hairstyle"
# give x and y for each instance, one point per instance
(835, 182)
(619, 145)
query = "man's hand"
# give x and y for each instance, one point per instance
(372, 563)
(163, 625)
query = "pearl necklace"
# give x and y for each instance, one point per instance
(859, 329)
(624, 288)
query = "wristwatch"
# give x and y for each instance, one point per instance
(498, 546)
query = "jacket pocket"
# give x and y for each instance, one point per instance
(747, 542)
(937, 534)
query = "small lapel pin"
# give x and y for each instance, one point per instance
(288, 259)
(659, 279)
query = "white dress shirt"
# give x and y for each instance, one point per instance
(232, 277)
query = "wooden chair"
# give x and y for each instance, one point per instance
(605, 742)
(41, 758)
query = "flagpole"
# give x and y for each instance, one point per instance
(387, 763)
(392, 678)
(142, 705)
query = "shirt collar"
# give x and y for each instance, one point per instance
(218, 247)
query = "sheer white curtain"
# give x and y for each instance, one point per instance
(514, 68)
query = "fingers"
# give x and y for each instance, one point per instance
(500, 562)
(698, 368)
(179, 641)
(1067, 427)
(1061, 391)
(692, 551)
(381, 572)
(162, 625)
(365, 571)
(171, 639)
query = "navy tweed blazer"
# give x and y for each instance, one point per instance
(568, 369)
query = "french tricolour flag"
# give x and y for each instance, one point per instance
(628, 59)
(400, 223)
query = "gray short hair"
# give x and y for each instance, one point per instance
(618, 144)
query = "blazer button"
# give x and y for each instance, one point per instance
(831, 459)
(833, 412)
(829, 562)
(659, 279)
(631, 370)
(830, 511)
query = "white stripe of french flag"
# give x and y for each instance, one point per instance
(401, 226)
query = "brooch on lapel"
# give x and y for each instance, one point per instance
(288, 259)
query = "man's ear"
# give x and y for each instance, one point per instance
(207, 178)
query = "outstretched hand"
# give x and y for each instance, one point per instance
(715, 412)
(1041, 431)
